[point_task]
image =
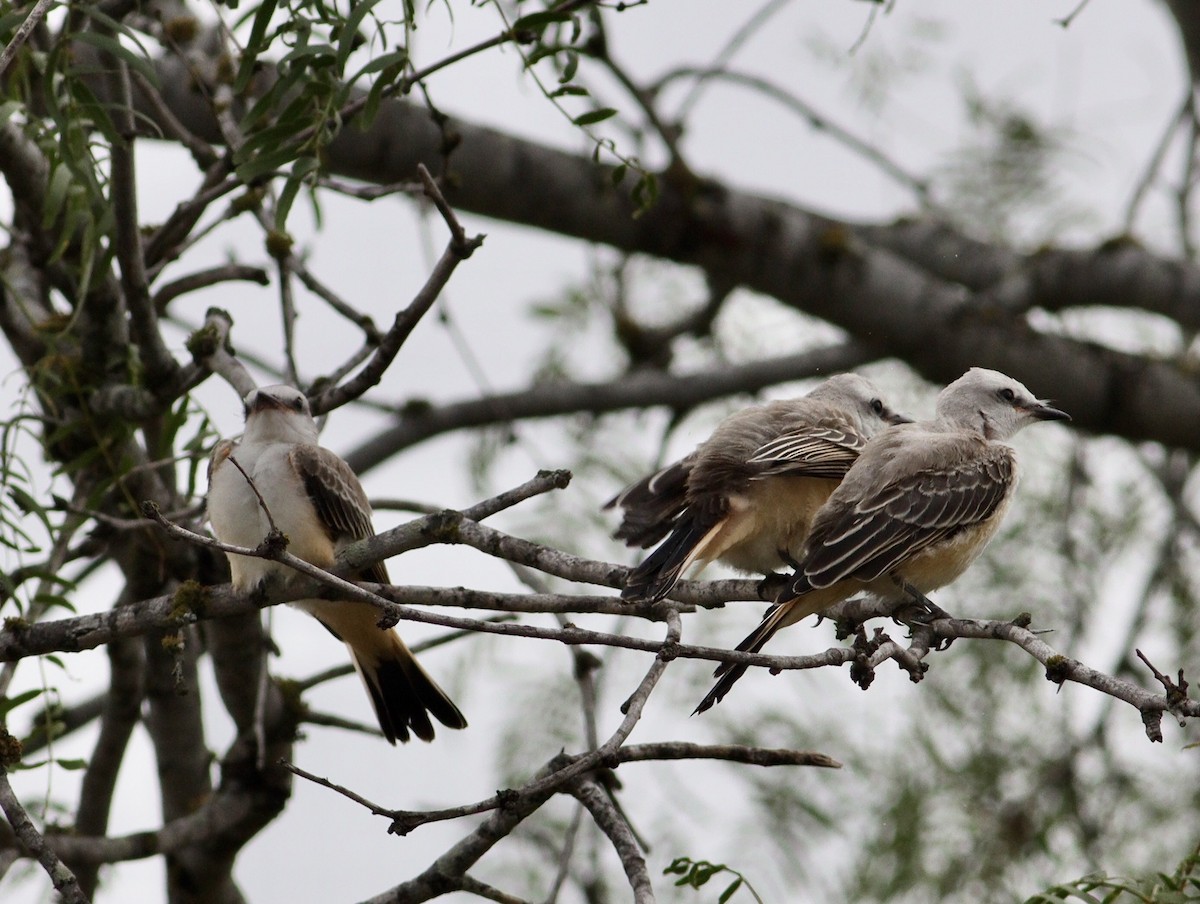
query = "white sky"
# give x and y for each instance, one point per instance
(1112, 78)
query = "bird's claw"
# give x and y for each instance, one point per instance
(772, 585)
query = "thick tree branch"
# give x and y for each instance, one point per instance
(799, 257)
(416, 423)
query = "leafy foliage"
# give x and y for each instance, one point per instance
(697, 873)
(1180, 887)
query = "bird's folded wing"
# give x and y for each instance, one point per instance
(338, 497)
(220, 453)
(808, 452)
(868, 537)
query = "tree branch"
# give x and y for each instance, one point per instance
(62, 878)
(589, 793)
(416, 423)
(459, 249)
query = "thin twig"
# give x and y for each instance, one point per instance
(817, 120)
(1066, 20)
(204, 279)
(735, 43)
(638, 390)
(376, 809)
(1154, 164)
(459, 249)
(24, 30)
(589, 793)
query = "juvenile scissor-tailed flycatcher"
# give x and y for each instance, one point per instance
(748, 494)
(317, 501)
(916, 508)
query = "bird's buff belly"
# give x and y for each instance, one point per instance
(939, 565)
(772, 515)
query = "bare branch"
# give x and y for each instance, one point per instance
(375, 809)
(638, 390)
(458, 250)
(819, 121)
(204, 279)
(589, 793)
(1060, 668)
(62, 878)
(161, 367)
(24, 30)
(209, 346)
(750, 756)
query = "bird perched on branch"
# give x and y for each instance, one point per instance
(748, 494)
(916, 508)
(279, 474)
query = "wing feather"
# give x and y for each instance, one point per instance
(338, 497)
(808, 452)
(864, 538)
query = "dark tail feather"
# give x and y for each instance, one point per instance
(728, 673)
(661, 570)
(650, 506)
(404, 696)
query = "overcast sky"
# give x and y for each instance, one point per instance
(1111, 80)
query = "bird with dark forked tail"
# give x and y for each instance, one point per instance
(916, 508)
(278, 473)
(748, 494)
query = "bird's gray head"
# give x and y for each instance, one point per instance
(862, 398)
(278, 413)
(992, 403)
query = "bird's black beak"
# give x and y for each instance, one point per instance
(895, 418)
(263, 401)
(1044, 411)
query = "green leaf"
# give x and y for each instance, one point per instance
(539, 20)
(383, 61)
(310, 56)
(255, 45)
(537, 55)
(301, 170)
(730, 891)
(705, 871)
(679, 866)
(594, 116)
(349, 28)
(570, 91)
(570, 68)
(8, 704)
(56, 195)
(645, 193)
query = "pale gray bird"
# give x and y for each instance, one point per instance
(917, 507)
(317, 501)
(747, 495)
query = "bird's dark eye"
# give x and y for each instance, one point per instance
(1008, 395)
(297, 404)
(877, 406)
